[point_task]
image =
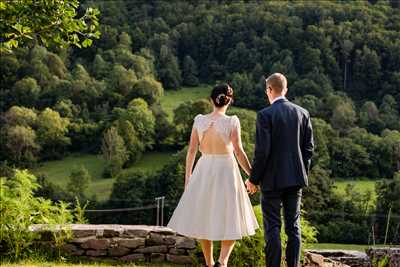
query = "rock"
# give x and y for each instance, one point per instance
(133, 257)
(131, 243)
(347, 257)
(135, 233)
(96, 244)
(185, 242)
(153, 249)
(158, 239)
(177, 251)
(154, 239)
(72, 250)
(169, 240)
(111, 233)
(118, 251)
(315, 259)
(96, 253)
(179, 259)
(162, 230)
(157, 257)
(82, 239)
(77, 233)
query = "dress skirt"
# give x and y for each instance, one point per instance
(215, 204)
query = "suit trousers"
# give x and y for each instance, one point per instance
(272, 202)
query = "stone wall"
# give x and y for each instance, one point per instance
(125, 243)
(392, 254)
(372, 257)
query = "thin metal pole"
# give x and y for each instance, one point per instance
(158, 210)
(387, 225)
(162, 211)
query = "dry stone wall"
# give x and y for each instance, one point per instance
(125, 243)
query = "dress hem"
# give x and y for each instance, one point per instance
(196, 236)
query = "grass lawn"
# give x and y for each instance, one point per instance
(360, 185)
(62, 264)
(173, 98)
(343, 246)
(58, 171)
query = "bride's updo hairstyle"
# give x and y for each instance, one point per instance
(221, 95)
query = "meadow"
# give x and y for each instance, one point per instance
(58, 171)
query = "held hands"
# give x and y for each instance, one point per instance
(251, 188)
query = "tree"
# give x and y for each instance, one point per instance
(22, 144)
(184, 115)
(148, 89)
(389, 112)
(51, 131)
(122, 80)
(344, 117)
(367, 73)
(370, 117)
(189, 72)
(25, 92)
(169, 72)
(349, 159)
(78, 182)
(114, 152)
(20, 116)
(100, 67)
(324, 134)
(26, 22)
(85, 89)
(142, 118)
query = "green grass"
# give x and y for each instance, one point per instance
(30, 263)
(342, 246)
(359, 185)
(172, 99)
(58, 171)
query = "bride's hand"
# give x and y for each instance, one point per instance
(251, 188)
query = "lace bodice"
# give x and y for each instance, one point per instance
(223, 125)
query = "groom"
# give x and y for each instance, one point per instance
(282, 157)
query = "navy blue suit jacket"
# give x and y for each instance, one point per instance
(284, 147)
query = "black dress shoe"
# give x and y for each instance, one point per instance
(217, 264)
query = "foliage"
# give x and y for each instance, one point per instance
(20, 209)
(387, 199)
(184, 115)
(26, 21)
(114, 152)
(79, 182)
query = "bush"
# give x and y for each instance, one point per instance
(20, 209)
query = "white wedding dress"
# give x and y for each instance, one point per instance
(215, 204)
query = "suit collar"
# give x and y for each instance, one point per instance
(279, 100)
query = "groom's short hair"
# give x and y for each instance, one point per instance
(277, 81)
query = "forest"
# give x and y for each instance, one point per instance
(341, 58)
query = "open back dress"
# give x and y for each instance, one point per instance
(215, 204)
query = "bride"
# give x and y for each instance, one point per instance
(215, 205)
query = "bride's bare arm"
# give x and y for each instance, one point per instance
(239, 151)
(191, 154)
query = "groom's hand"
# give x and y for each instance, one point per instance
(251, 188)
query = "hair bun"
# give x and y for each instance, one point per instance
(221, 99)
(222, 95)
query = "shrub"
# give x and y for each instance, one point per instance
(20, 209)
